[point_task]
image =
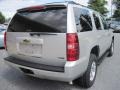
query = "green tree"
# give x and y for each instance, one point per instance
(117, 11)
(2, 18)
(98, 5)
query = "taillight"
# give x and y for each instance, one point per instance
(5, 41)
(72, 47)
(36, 8)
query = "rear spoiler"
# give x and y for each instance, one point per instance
(40, 7)
(32, 8)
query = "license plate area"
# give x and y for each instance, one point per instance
(30, 49)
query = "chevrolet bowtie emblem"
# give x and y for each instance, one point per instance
(26, 41)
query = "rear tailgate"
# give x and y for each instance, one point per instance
(39, 36)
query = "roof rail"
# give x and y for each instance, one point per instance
(68, 2)
(65, 2)
(72, 2)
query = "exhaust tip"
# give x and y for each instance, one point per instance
(26, 71)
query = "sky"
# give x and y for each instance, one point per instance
(9, 7)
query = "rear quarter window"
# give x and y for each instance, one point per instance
(82, 19)
(52, 20)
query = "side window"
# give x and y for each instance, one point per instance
(104, 23)
(97, 22)
(82, 19)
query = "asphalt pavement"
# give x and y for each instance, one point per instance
(108, 76)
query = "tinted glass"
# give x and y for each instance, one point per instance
(82, 19)
(48, 20)
(97, 22)
(2, 29)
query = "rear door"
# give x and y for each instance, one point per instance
(100, 33)
(108, 33)
(39, 35)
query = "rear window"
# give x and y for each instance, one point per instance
(52, 20)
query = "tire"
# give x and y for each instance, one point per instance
(111, 50)
(87, 80)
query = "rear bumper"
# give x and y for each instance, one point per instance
(69, 72)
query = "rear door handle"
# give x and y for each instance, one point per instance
(108, 34)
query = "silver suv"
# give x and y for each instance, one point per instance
(58, 41)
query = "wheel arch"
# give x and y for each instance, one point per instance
(95, 50)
